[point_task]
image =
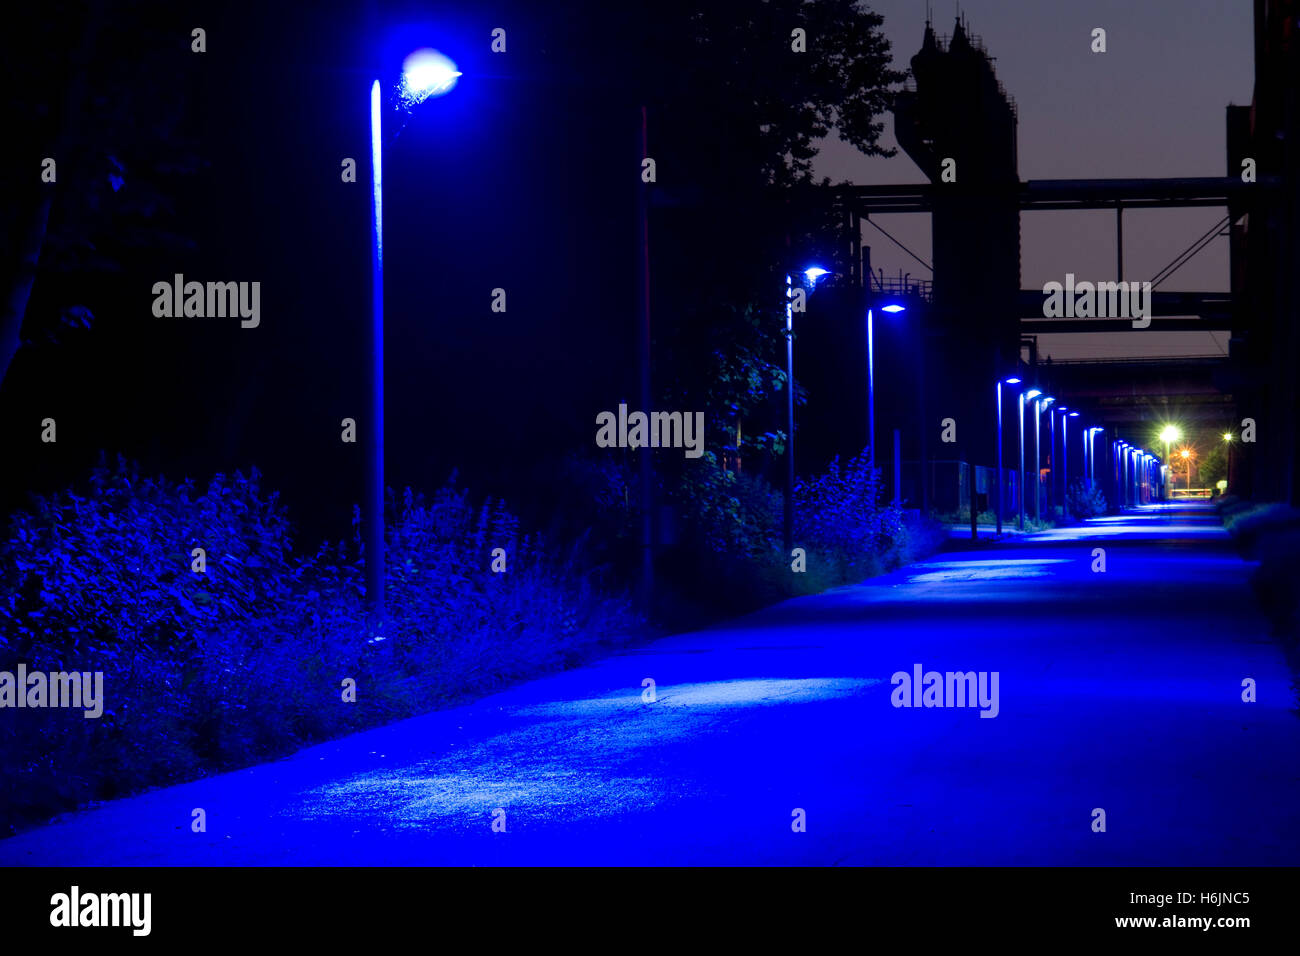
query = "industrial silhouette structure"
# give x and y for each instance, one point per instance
(974, 326)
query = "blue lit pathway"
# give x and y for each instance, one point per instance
(1118, 690)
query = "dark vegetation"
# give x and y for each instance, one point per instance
(1269, 532)
(244, 660)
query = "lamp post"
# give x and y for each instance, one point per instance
(1139, 462)
(1228, 438)
(1093, 451)
(1043, 401)
(1168, 434)
(893, 308)
(871, 388)
(812, 274)
(1038, 461)
(1117, 480)
(1087, 455)
(425, 73)
(787, 523)
(1135, 463)
(1001, 443)
(1121, 469)
(1063, 481)
(1049, 487)
(1138, 454)
(1030, 395)
(1065, 455)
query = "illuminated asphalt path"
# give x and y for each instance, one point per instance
(1118, 690)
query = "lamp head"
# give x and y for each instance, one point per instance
(426, 73)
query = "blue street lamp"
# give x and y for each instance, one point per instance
(1091, 440)
(425, 73)
(1041, 402)
(1005, 381)
(1065, 456)
(1122, 454)
(811, 274)
(1058, 486)
(1024, 395)
(892, 307)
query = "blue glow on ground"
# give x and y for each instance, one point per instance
(1118, 690)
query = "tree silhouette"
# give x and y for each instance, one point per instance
(102, 93)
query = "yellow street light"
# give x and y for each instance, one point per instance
(1169, 434)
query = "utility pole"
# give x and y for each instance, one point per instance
(643, 363)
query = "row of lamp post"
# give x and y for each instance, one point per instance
(811, 275)
(1137, 470)
(427, 73)
(1041, 403)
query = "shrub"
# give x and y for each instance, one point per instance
(87, 572)
(1085, 499)
(206, 672)
(728, 512)
(840, 512)
(1269, 533)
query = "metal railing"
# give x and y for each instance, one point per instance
(903, 286)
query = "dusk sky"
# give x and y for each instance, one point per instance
(1153, 105)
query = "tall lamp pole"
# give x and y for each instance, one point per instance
(1020, 480)
(788, 520)
(373, 513)
(1041, 402)
(1227, 437)
(425, 73)
(1001, 444)
(1065, 456)
(871, 389)
(893, 308)
(1030, 395)
(1038, 472)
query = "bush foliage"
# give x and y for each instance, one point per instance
(210, 671)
